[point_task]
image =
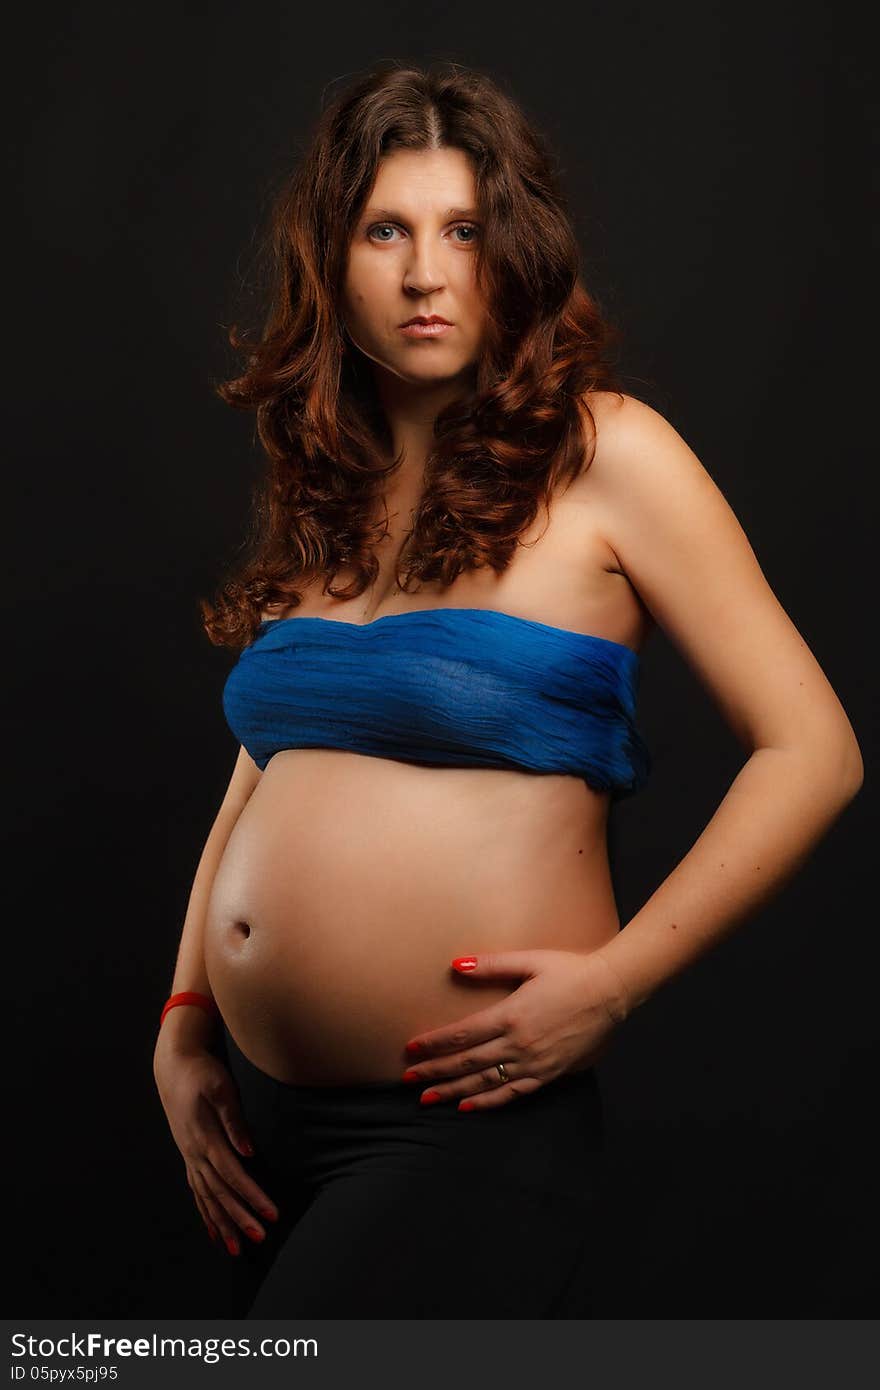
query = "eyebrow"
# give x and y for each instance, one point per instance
(399, 217)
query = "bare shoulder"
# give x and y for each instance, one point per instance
(641, 464)
(682, 547)
(626, 430)
(638, 460)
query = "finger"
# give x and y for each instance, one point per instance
(231, 1202)
(475, 1060)
(500, 1095)
(226, 1228)
(206, 1220)
(227, 1106)
(231, 1218)
(501, 964)
(202, 1209)
(214, 1151)
(477, 1083)
(483, 1027)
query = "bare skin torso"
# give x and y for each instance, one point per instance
(350, 882)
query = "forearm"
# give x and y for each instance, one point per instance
(188, 1022)
(781, 803)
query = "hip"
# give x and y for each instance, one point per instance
(546, 1144)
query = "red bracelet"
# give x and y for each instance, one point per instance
(189, 996)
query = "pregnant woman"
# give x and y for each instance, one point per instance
(402, 956)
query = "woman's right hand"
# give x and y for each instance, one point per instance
(203, 1109)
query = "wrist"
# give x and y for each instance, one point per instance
(181, 997)
(189, 1018)
(617, 997)
(173, 1044)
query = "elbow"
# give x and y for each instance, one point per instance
(855, 771)
(851, 768)
(846, 768)
(834, 766)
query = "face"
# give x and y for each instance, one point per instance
(412, 253)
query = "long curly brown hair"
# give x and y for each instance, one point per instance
(499, 452)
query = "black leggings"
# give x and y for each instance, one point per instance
(393, 1209)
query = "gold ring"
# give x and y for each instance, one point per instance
(499, 1067)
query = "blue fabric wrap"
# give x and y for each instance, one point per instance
(455, 687)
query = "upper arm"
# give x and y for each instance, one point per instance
(681, 546)
(245, 776)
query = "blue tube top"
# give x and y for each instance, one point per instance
(456, 687)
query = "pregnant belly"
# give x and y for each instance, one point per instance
(349, 883)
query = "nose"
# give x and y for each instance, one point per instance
(423, 274)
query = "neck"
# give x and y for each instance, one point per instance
(411, 409)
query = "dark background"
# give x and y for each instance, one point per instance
(716, 159)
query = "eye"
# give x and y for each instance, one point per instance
(380, 226)
(468, 227)
(390, 226)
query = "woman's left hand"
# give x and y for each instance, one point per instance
(559, 1019)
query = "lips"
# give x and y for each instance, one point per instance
(420, 318)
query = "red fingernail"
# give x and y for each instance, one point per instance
(413, 1047)
(429, 1097)
(247, 1148)
(231, 1245)
(467, 1105)
(464, 962)
(212, 1233)
(410, 1075)
(268, 1215)
(254, 1233)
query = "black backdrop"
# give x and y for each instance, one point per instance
(716, 161)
